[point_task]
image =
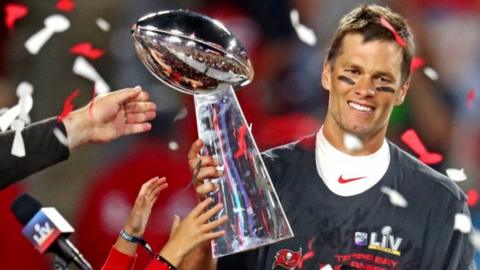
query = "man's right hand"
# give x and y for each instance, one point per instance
(207, 169)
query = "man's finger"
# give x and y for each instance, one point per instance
(133, 118)
(194, 150)
(137, 128)
(139, 107)
(207, 161)
(204, 189)
(208, 172)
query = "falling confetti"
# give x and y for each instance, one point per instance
(395, 197)
(181, 114)
(305, 34)
(25, 100)
(66, 5)
(352, 142)
(82, 68)
(86, 49)
(18, 146)
(103, 24)
(173, 145)
(416, 63)
(470, 98)
(398, 38)
(13, 13)
(327, 267)
(472, 197)
(474, 238)
(53, 24)
(431, 73)
(462, 223)
(411, 139)
(67, 105)
(60, 136)
(456, 175)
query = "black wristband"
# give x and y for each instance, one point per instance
(162, 259)
(134, 239)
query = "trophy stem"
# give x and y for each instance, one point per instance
(255, 215)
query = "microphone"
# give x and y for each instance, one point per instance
(47, 230)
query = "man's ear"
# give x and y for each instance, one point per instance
(402, 93)
(326, 75)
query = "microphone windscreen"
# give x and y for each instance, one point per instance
(25, 207)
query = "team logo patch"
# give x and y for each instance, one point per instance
(287, 259)
(361, 239)
(383, 241)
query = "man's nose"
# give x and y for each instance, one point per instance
(365, 88)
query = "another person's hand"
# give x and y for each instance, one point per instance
(192, 231)
(115, 114)
(208, 169)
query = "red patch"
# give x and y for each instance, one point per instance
(67, 105)
(86, 49)
(470, 98)
(472, 197)
(65, 5)
(417, 62)
(287, 259)
(242, 144)
(398, 38)
(411, 139)
(14, 12)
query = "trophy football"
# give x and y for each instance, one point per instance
(197, 55)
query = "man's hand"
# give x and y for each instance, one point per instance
(110, 116)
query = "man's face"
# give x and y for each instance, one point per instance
(364, 82)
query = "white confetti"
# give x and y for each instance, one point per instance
(60, 136)
(352, 142)
(305, 34)
(395, 197)
(173, 145)
(7, 118)
(82, 68)
(327, 267)
(53, 24)
(103, 24)
(456, 174)
(250, 127)
(25, 101)
(18, 146)
(474, 238)
(430, 73)
(462, 223)
(181, 114)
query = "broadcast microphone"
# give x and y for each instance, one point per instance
(47, 230)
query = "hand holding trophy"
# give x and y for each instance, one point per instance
(197, 55)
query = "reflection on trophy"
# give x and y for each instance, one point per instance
(197, 55)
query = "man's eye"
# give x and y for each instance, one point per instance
(352, 71)
(384, 80)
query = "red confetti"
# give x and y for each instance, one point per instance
(417, 62)
(398, 38)
(411, 139)
(242, 145)
(13, 13)
(472, 197)
(470, 98)
(65, 5)
(86, 49)
(67, 105)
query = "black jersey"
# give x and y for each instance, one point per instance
(363, 231)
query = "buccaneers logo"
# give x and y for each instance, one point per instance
(288, 259)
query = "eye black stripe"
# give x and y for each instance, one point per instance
(346, 80)
(385, 89)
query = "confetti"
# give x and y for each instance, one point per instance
(352, 142)
(411, 139)
(103, 24)
(53, 24)
(430, 73)
(398, 38)
(305, 34)
(472, 197)
(456, 175)
(25, 100)
(60, 136)
(67, 105)
(13, 13)
(470, 98)
(173, 145)
(327, 267)
(181, 114)
(474, 238)
(416, 63)
(65, 5)
(82, 68)
(395, 197)
(18, 146)
(462, 223)
(86, 49)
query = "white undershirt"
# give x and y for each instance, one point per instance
(333, 164)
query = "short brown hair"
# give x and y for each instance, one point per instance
(365, 20)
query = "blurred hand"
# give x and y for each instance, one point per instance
(207, 170)
(112, 115)
(194, 230)
(137, 221)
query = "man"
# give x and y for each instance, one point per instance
(112, 115)
(333, 196)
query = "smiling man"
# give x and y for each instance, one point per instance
(336, 198)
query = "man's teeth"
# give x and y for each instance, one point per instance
(360, 107)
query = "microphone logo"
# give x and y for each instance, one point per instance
(42, 232)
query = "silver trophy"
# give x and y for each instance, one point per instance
(197, 55)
